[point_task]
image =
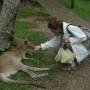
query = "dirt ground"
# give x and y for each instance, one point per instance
(65, 80)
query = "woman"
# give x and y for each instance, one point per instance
(69, 34)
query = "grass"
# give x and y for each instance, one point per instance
(24, 30)
(29, 11)
(82, 8)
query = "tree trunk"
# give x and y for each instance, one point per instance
(7, 22)
(1, 2)
(72, 4)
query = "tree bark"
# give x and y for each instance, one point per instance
(7, 22)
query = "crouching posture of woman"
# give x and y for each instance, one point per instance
(72, 36)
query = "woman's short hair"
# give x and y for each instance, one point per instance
(54, 23)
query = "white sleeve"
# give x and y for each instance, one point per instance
(55, 41)
(78, 34)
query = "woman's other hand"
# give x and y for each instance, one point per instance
(66, 40)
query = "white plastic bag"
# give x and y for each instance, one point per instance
(64, 56)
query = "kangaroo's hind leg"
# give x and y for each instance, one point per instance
(29, 71)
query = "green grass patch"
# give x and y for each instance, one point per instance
(24, 30)
(5, 86)
(82, 8)
(28, 11)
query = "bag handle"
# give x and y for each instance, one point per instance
(70, 34)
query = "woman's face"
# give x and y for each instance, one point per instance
(55, 31)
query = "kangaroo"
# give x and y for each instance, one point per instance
(10, 63)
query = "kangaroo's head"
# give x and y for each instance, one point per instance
(23, 44)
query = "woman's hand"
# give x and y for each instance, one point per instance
(38, 47)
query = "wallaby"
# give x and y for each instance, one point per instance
(10, 63)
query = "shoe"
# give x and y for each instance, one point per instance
(73, 66)
(70, 67)
(66, 67)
